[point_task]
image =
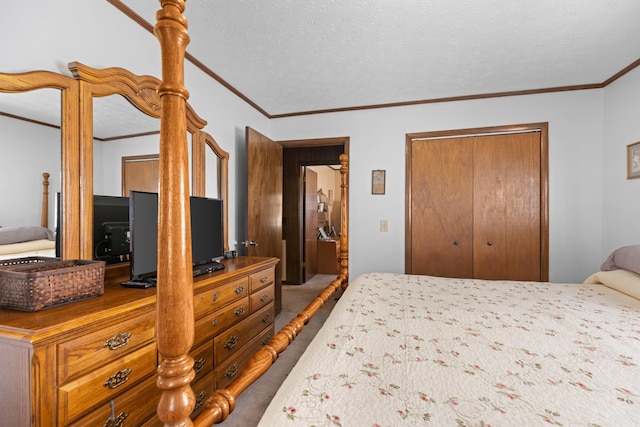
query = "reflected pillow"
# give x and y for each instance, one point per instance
(9, 235)
(625, 258)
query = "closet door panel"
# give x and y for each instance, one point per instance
(442, 212)
(507, 207)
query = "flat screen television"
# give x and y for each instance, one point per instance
(207, 237)
(206, 230)
(111, 229)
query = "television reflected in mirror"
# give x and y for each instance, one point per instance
(111, 237)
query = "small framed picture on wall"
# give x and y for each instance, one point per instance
(633, 160)
(377, 182)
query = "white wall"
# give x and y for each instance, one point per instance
(26, 151)
(377, 141)
(621, 198)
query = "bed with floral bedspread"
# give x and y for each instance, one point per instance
(422, 350)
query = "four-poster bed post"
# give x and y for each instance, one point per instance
(174, 321)
(44, 215)
(175, 316)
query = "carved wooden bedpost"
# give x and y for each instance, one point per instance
(344, 223)
(174, 321)
(44, 215)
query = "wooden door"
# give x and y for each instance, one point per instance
(506, 214)
(264, 201)
(310, 223)
(476, 205)
(442, 206)
(140, 173)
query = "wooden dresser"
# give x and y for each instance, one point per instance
(93, 361)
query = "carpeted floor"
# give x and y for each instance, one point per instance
(252, 403)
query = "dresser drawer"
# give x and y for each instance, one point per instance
(129, 409)
(105, 383)
(77, 356)
(234, 338)
(202, 359)
(261, 279)
(213, 299)
(261, 298)
(202, 389)
(218, 321)
(230, 369)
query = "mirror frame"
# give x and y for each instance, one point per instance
(141, 92)
(70, 147)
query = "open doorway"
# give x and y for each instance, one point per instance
(296, 156)
(321, 220)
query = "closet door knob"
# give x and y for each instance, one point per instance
(456, 243)
(489, 243)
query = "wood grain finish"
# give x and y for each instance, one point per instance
(44, 215)
(477, 204)
(58, 360)
(506, 207)
(442, 197)
(264, 204)
(71, 154)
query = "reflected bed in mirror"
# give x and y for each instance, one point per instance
(28, 239)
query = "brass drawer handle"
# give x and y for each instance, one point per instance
(214, 322)
(266, 318)
(263, 279)
(200, 399)
(239, 311)
(117, 379)
(214, 298)
(232, 371)
(266, 340)
(264, 298)
(231, 342)
(114, 421)
(199, 364)
(239, 290)
(119, 340)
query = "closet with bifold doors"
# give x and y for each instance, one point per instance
(477, 203)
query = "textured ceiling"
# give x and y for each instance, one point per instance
(295, 56)
(290, 57)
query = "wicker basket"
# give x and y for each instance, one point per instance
(27, 260)
(37, 284)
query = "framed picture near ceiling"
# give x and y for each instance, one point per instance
(633, 160)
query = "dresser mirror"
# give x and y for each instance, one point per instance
(77, 126)
(39, 117)
(119, 118)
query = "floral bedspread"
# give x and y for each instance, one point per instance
(420, 350)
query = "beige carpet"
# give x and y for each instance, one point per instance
(252, 403)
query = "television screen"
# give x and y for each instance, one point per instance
(143, 212)
(206, 232)
(111, 229)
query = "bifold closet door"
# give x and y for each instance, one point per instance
(442, 207)
(506, 207)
